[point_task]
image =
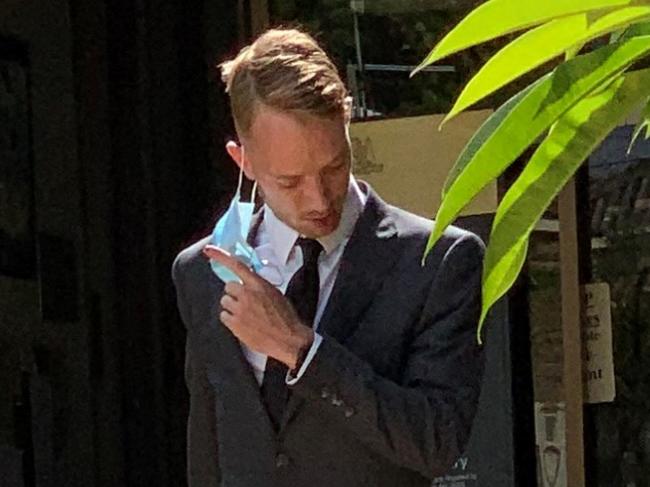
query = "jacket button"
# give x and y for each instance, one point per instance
(349, 412)
(281, 460)
(336, 401)
(324, 393)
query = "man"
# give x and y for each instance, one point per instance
(344, 362)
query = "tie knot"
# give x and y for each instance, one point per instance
(311, 249)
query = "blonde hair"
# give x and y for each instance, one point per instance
(284, 69)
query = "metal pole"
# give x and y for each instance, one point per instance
(358, 6)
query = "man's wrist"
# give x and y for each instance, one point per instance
(293, 376)
(300, 359)
(299, 348)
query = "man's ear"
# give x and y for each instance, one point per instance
(347, 109)
(237, 154)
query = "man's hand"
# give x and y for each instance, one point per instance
(259, 315)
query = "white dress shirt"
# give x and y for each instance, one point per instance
(275, 244)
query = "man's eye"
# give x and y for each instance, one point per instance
(287, 183)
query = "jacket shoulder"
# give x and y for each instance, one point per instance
(412, 226)
(189, 259)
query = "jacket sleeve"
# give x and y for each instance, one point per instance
(423, 421)
(202, 455)
(184, 312)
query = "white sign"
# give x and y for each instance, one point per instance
(598, 356)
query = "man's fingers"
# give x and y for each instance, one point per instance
(226, 318)
(228, 303)
(234, 289)
(224, 258)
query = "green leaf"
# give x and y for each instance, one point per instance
(575, 135)
(496, 18)
(616, 36)
(636, 30)
(538, 46)
(485, 138)
(643, 124)
(505, 270)
(573, 51)
(518, 123)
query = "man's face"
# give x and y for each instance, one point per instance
(302, 167)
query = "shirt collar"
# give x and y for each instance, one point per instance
(282, 237)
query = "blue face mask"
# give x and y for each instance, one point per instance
(230, 234)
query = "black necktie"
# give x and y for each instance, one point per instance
(302, 292)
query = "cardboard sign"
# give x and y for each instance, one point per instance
(407, 160)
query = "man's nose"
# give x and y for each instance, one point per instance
(318, 195)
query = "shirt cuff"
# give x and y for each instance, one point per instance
(291, 380)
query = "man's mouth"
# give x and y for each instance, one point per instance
(324, 220)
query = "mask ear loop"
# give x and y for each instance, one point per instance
(241, 180)
(253, 191)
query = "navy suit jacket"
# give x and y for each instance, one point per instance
(388, 400)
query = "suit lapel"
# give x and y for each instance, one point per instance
(370, 253)
(368, 256)
(227, 363)
(227, 367)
